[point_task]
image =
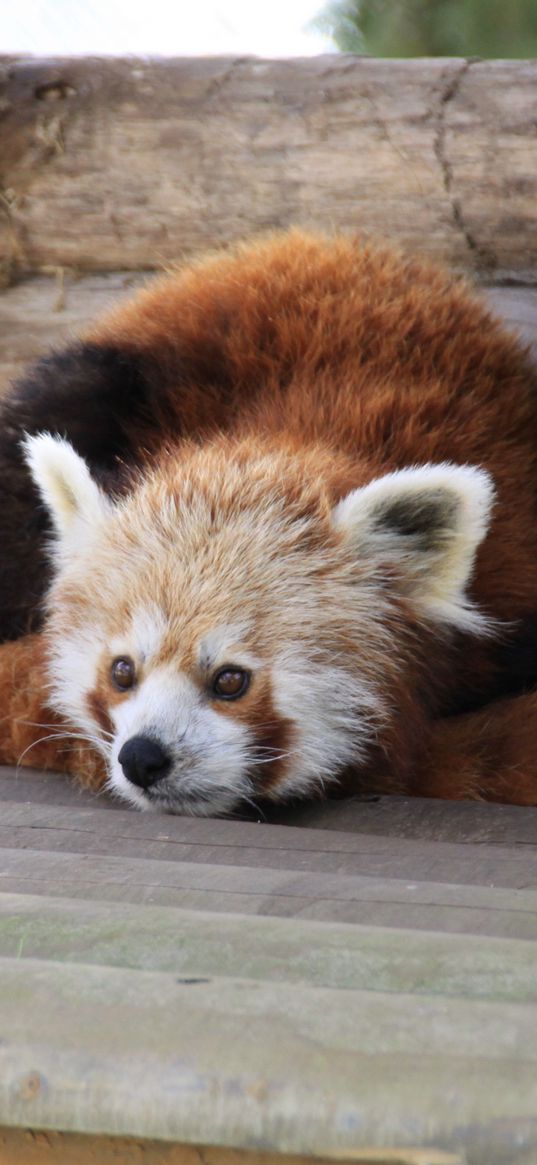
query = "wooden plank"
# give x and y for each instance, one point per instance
(408, 817)
(159, 837)
(107, 163)
(37, 1147)
(82, 824)
(59, 841)
(37, 787)
(422, 818)
(266, 949)
(328, 897)
(242, 1063)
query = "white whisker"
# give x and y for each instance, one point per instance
(85, 740)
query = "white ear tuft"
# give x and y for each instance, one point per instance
(428, 521)
(68, 490)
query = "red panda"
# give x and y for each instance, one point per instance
(292, 498)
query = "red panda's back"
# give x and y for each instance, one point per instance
(333, 339)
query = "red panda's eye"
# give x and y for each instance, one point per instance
(123, 673)
(230, 682)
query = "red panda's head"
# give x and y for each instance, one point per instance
(230, 630)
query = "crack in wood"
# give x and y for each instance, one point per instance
(13, 256)
(138, 175)
(485, 262)
(214, 89)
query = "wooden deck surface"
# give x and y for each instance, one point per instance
(354, 975)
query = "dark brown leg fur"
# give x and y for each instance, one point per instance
(489, 755)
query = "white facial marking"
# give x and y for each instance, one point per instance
(209, 752)
(224, 644)
(145, 636)
(73, 666)
(336, 716)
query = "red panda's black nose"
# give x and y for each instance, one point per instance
(143, 761)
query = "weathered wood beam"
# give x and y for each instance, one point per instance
(132, 163)
(65, 846)
(315, 954)
(278, 1066)
(37, 1147)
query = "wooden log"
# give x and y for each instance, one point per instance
(132, 163)
(338, 1071)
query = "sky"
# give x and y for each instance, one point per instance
(268, 28)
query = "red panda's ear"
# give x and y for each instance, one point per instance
(73, 498)
(428, 521)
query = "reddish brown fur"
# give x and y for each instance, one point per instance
(274, 734)
(98, 704)
(31, 732)
(404, 367)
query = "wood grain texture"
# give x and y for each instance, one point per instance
(37, 1147)
(188, 980)
(134, 162)
(181, 1061)
(222, 843)
(361, 899)
(363, 863)
(268, 949)
(395, 816)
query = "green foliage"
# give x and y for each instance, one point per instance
(437, 28)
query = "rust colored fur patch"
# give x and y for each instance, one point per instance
(98, 709)
(274, 734)
(32, 734)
